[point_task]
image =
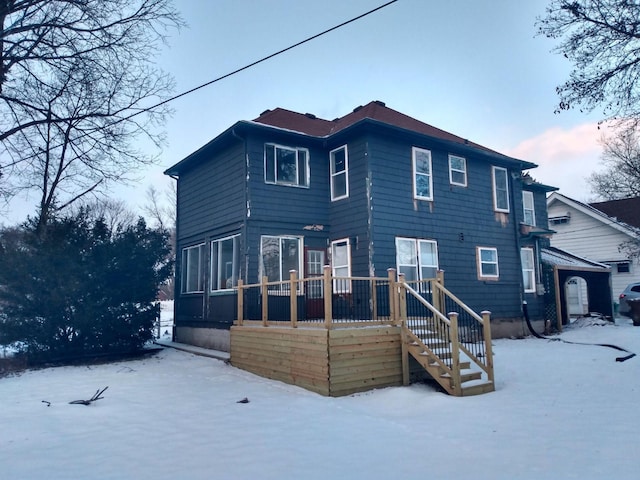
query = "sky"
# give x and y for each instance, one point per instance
(475, 68)
(560, 411)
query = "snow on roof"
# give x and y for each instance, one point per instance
(561, 258)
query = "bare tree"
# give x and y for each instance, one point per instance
(621, 159)
(602, 40)
(115, 213)
(78, 89)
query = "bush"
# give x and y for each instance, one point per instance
(80, 288)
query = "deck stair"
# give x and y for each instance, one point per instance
(458, 358)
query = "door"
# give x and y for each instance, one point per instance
(314, 265)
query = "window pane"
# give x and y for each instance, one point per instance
(423, 186)
(302, 168)
(338, 163)
(287, 165)
(406, 252)
(339, 185)
(487, 255)
(423, 162)
(489, 269)
(428, 254)
(457, 163)
(269, 163)
(501, 189)
(226, 270)
(271, 258)
(410, 273)
(290, 256)
(458, 177)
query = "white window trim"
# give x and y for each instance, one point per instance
(344, 286)
(345, 172)
(415, 150)
(275, 175)
(185, 270)
(417, 242)
(479, 263)
(528, 196)
(494, 185)
(216, 275)
(531, 272)
(451, 170)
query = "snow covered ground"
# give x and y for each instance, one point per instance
(560, 411)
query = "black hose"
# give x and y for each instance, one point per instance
(525, 311)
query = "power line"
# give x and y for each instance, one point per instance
(227, 75)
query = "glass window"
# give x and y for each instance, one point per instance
(528, 269)
(225, 263)
(422, 178)
(192, 272)
(623, 267)
(278, 256)
(339, 173)
(341, 265)
(457, 170)
(416, 259)
(286, 165)
(487, 259)
(528, 208)
(500, 189)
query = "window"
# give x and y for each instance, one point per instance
(278, 256)
(286, 165)
(457, 170)
(560, 220)
(341, 265)
(528, 269)
(339, 173)
(416, 259)
(315, 269)
(422, 178)
(528, 208)
(225, 263)
(500, 189)
(192, 271)
(487, 260)
(623, 267)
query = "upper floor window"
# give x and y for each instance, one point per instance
(487, 263)
(225, 263)
(278, 256)
(192, 279)
(528, 269)
(500, 189)
(528, 207)
(422, 177)
(339, 159)
(417, 259)
(457, 170)
(286, 165)
(341, 265)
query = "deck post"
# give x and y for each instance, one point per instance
(328, 296)
(293, 303)
(488, 349)
(265, 302)
(393, 296)
(455, 354)
(402, 321)
(438, 295)
(240, 303)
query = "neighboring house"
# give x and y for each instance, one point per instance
(373, 190)
(597, 231)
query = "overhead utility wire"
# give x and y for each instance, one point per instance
(263, 59)
(253, 64)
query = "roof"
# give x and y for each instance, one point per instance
(597, 212)
(625, 210)
(311, 125)
(373, 113)
(567, 261)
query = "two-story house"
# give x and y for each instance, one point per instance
(372, 190)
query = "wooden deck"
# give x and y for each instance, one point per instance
(345, 355)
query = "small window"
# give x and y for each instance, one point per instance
(341, 265)
(225, 263)
(559, 220)
(457, 170)
(339, 160)
(500, 189)
(487, 261)
(422, 177)
(528, 269)
(528, 207)
(286, 165)
(623, 267)
(192, 280)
